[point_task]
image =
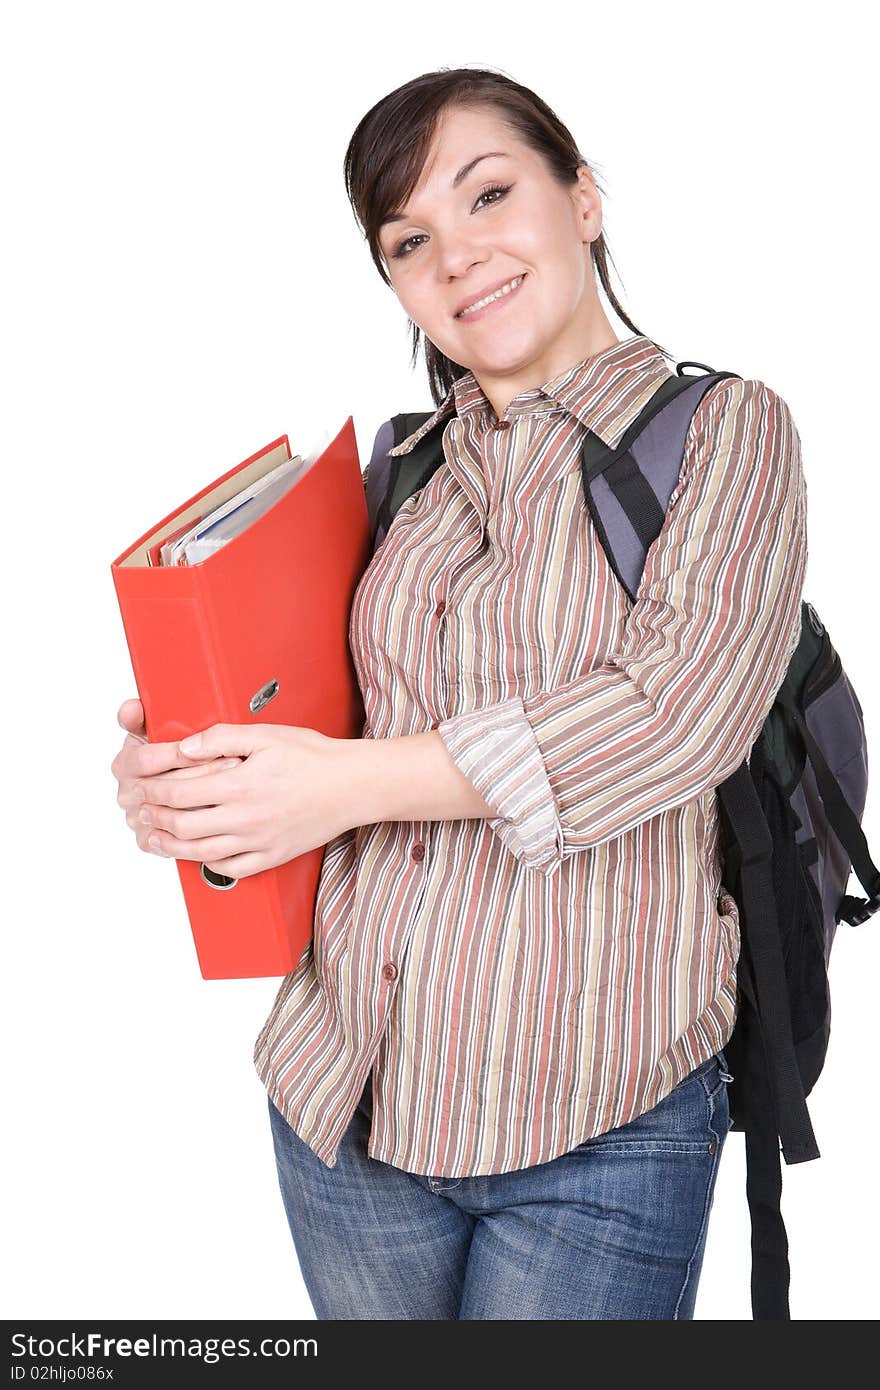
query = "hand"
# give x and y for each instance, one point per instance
(130, 763)
(290, 792)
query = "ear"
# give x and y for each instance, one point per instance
(589, 204)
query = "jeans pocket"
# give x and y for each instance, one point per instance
(680, 1122)
(714, 1073)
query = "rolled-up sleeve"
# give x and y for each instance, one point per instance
(678, 704)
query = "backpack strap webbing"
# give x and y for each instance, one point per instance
(767, 1092)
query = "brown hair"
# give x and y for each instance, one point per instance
(389, 147)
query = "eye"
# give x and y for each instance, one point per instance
(499, 188)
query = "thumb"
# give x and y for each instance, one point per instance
(221, 740)
(130, 717)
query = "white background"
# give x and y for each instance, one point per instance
(183, 282)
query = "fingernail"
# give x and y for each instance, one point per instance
(155, 844)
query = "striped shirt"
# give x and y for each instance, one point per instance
(520, 983)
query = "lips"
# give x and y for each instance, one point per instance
(489, 289)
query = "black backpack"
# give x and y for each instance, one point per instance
(789, 816)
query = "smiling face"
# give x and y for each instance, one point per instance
(474, 223)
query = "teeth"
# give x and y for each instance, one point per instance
(481, 303)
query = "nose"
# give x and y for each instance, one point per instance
(458, 259)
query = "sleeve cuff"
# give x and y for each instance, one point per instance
(496, 749)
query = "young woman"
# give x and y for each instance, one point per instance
(496, 1078)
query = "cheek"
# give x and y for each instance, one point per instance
(428, 314)
(559, 286)
(418, 302)
(552, 247)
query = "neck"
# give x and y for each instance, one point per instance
(585, 336)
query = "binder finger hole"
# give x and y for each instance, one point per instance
(263, 696)
(215, 880)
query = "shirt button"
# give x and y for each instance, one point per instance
(503, 425)
(389, 970)
(436, 724)
(440, 609)
(418, 850)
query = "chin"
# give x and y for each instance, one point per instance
(511, 354)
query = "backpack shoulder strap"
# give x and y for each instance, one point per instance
(391, 481)
(627, 488)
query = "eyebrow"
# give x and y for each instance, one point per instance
(460, 176)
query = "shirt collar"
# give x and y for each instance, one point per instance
(604, 392)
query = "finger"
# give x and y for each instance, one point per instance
(127, 795)
(151, 758)
(130, 716)
(221, 739)
(206, 822)
(197, 770)
(238, 865)
(134, 806)
(175, 790)
(213, 847)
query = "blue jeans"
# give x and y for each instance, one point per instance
(615, 1228)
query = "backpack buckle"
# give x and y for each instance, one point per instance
(863, 911)
(815, 620)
